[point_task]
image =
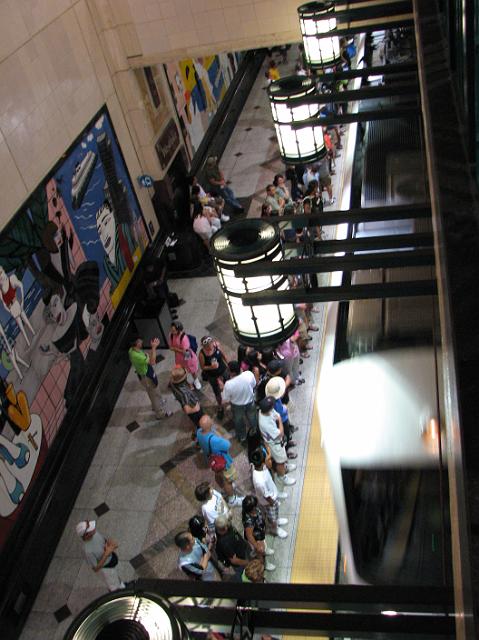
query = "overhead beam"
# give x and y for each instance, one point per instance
(379, 70)
(314, 624)
(356, 262)
(370, 243)
(373, 11)
(364, 93)
(375, 291)
(356, 216)
(360, 116)
(379, 25)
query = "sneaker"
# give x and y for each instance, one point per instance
(281, 533)
(288, 481)
(282, 522)
(290, 444)
(292, 428)
(313, 327)
(269, 552)
(282, 495)
(290, 467)
(291, 455)
(333, 200)
(165, 414)
(235, 501)
(224, 218)
(269, 566)
(197, 384)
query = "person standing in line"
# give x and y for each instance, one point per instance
(255, 530)
(212, 505)
(100, 553)
(271, 427)
(213, 444)
(232, 549)
(143, 366)
(185, 357)
(195, 557)
(267, 493)
(214, 368)
(239, 392)
(186, 396)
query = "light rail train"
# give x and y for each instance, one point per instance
(379, 403)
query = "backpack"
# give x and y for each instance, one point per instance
(193, 343)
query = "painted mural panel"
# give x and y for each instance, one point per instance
(198, 85)
(65, 261)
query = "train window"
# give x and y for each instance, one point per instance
(394, 519)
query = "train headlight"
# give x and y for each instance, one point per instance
(430, 435)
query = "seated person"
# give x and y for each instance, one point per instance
(205, 223)
(217, 181)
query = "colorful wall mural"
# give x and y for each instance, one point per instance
(66, 259)
(198, 85)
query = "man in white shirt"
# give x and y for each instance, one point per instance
(267, 494)
(100, 553)
(212, 505)
(239, 392)
(271, 427)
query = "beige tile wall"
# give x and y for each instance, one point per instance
(61, 60)
(174, 29)
(54, 76)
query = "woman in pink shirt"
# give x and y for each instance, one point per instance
(290, 351)
(185, 357)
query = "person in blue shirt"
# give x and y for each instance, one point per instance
(213, 444)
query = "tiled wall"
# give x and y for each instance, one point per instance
(175, 29)
(54, 76)
(61, 60)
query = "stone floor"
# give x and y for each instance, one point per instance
(140, 486)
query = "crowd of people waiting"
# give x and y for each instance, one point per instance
(256, 384)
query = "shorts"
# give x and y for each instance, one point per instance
(271, 512)
(278, 452)
(325, 182)
(230, 474)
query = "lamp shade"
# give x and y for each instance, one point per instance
(128, 615)
(317, 18)
(252, 241)
(296, 145)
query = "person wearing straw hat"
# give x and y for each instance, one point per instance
(186, 396)
(100, 553)
(275, 387)
(271, 427)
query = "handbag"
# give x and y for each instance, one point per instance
(216, 461)
(113, 561)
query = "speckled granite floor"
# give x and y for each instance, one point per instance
(140, 486)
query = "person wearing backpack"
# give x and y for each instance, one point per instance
(184, 349)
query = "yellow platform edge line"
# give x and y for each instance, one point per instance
(314, 560)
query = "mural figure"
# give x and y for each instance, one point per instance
(117, 243)
(13, 303)
(9, 357)
(18, 455)
(198, 85)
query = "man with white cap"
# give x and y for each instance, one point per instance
(100, 553)
(276, 388)
(271, 427)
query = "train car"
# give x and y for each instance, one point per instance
(379, 403)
